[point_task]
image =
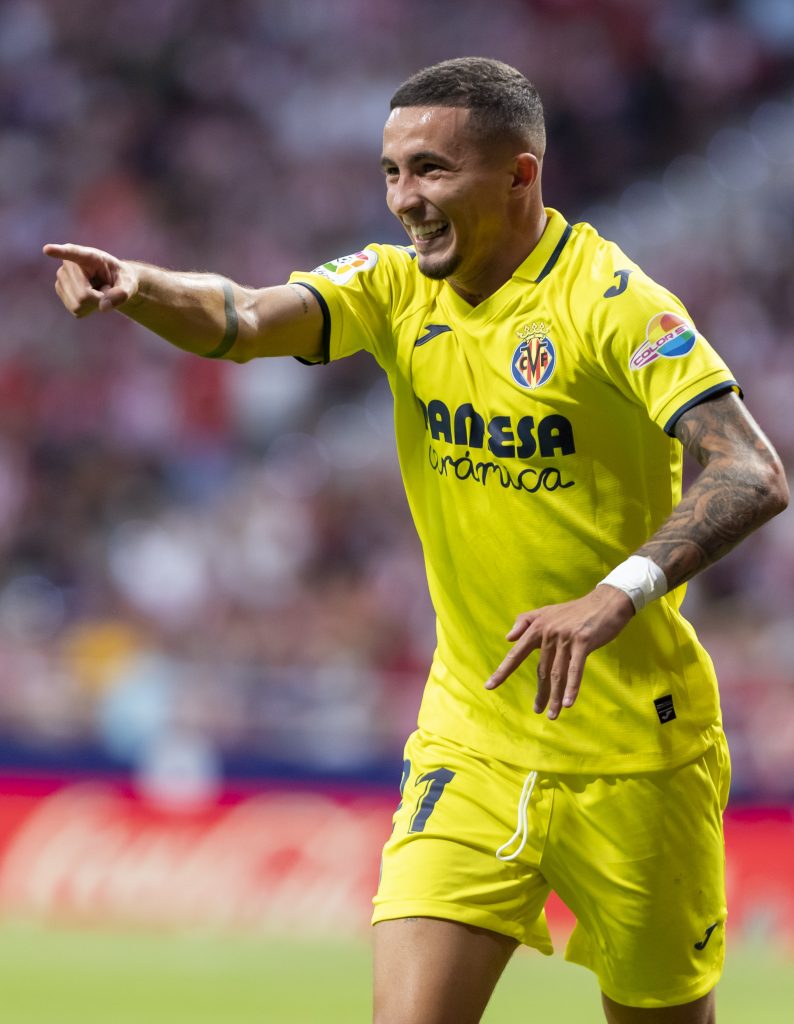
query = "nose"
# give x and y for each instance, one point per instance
(403, 196)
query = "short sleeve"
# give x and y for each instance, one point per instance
(652, 351)
(357, 296)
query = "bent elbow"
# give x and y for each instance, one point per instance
(783, 495)
(775, 488)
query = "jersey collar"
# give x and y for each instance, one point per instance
(535, 268)
(544, 256)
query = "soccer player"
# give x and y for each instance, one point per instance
(545, 389)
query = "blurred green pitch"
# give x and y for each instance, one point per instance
(50, 976)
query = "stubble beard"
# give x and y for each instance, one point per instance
(441, 270)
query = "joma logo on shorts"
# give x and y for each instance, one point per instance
(707, 936)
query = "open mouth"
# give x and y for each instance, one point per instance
(422, 234)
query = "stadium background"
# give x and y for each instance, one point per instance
(213, 620)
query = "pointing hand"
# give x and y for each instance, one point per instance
(90, 279)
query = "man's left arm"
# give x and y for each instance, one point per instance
(741, 486)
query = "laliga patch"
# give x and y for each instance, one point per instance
(668, 335)
(341, 270)
(533, 362)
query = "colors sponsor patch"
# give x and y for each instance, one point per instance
(668, 335)
(341, 270)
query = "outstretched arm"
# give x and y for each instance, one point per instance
(741, 486)
(202, 313)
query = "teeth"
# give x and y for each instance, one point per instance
(423, 231)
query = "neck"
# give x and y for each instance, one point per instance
(494, 276)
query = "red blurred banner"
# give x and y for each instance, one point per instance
(278, 859)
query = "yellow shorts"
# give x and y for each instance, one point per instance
(639, 859)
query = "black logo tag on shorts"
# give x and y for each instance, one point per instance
(664, 708)
(703, 942)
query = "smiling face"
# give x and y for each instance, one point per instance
(461, 200)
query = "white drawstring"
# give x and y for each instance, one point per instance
(522, 825)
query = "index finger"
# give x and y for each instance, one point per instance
(514, 657)
(68, 251)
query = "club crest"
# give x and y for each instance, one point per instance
(534, 359)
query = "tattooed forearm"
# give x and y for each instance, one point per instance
(719, 510)
(742, 485)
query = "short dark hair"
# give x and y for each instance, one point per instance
(502, 101)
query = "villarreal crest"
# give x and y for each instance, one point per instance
(534, 360)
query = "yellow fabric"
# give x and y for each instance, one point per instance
(639, 859)
(535, 460)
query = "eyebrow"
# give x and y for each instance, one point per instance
(415, 158)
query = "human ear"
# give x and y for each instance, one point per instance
(526, 171)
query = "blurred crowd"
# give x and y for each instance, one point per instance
(207, 568)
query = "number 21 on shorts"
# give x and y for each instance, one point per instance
(434, 784)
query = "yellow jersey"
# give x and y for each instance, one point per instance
(534, 437)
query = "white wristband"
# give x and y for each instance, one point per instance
(639, 578)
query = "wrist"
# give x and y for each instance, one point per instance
(640, 579)
(131, 278)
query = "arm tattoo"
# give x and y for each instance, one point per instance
(232, 324)
(740, 487)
